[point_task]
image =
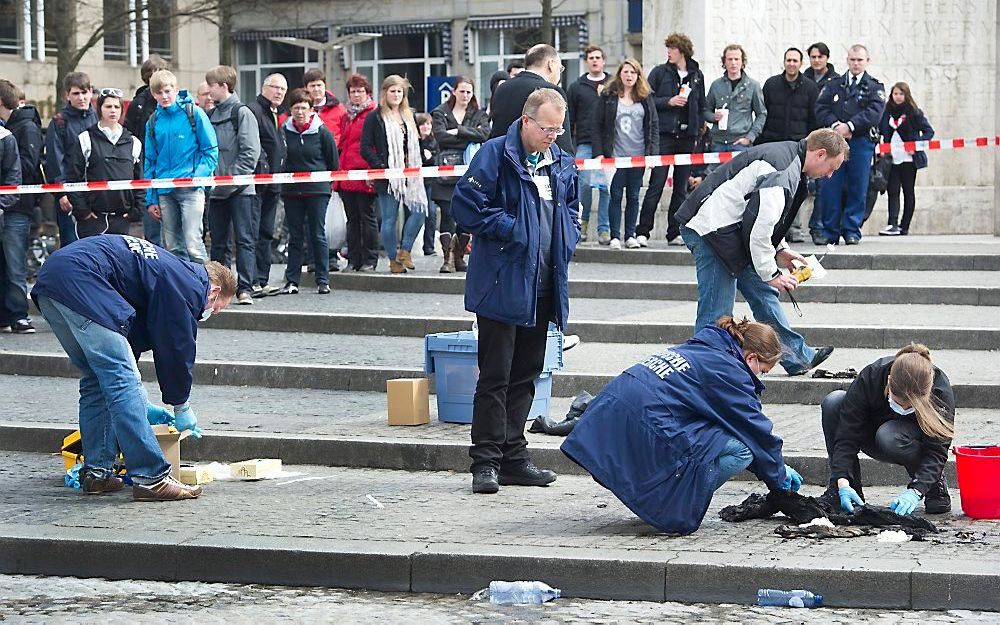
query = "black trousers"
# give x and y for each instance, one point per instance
(669, 144)
(102, 223)
(896, 442)
(268, 199)
(510, 358)
(448, 223)
(362, 231)
(902, 177)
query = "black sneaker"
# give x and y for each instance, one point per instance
(484, 481)
(290, 289)
(323, 289)
(22, 326)
(528, 475)
(818, 239)
(938, 499)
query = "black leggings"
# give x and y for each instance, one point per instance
(895, 442)
(448, 223)
(902, 176)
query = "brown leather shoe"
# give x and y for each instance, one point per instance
(94, 486)
(459, 245)
(448, 266)
(404, 257)
(396, 267)
(167, 489)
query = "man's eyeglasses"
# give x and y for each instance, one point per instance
(111, 91)
(277, 87)
(557, 131)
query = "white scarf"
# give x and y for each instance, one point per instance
(409, 190)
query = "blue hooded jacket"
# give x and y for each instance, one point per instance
(138, 290)
(652, 436)
(178, 151)
(498, 203)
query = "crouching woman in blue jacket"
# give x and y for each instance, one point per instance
(670, 431)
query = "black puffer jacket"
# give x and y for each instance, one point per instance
(583, 96)
(93, 157)
(605, 126)
(272, 138)
(26, 127)
(509, 99)
(665, 81)
(791, 109)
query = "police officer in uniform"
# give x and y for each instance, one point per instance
(852, 105)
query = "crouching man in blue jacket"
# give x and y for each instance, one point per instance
(670, 431)
(107, 300)
(519, 200)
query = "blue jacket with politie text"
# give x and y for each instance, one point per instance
(860, 108)
(498, 203)
(139, 290)
(652, 436)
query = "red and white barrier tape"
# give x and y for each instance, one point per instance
(437, 172)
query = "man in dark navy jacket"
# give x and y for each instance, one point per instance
(107, 300)
(519, 199)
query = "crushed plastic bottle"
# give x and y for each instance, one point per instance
(789, 598)
(510, 593)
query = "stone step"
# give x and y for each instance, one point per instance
(426, 532)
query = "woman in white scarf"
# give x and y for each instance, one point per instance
(390, 140)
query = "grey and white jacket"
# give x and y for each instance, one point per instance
(239, 144)
(744, 208)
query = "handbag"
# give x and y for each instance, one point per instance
(878, 177)
(449, 157)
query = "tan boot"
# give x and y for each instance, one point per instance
(395, 266)
(448, 266)
(460, 243)
(403, 256)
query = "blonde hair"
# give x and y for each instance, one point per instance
(829, 140)
(223, 276)
(542, 96)
(395, 80)
(162, 78)
(911, 378)
(640, 91)
(754, 337)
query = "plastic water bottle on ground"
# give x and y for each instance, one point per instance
(510, 593)
(789, 598)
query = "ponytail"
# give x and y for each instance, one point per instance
(754, 337)
(911, 377)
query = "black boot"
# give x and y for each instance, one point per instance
(485, 481)
(938, 499)
(528, 475)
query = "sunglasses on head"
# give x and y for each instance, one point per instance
(111, 91)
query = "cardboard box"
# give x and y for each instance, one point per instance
(409, 401)
(193, 475)
(256, 469)
(170, 442)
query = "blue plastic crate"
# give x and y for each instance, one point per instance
(452, 358)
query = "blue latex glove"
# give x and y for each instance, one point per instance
(792, 479)
(849, 497)
(906, 502)
(185, 419)
(158, 415)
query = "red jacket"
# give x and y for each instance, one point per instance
(331, 112)
(349, 146)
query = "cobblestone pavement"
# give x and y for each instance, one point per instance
(363, 414)
(29, 599)
(963, 366)
(427, 508)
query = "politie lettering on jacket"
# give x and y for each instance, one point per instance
(141, 247)
(666, 363)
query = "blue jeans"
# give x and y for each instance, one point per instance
(628, 181)
(388, 207)
(243, 214)
(843, 217)
(67, 227)
(727, 147)
(151, 229)
(734, 458)
(14, 267)
(585, 150)
(717, 293)
(112, 398)
(298, 210)
(182, 213)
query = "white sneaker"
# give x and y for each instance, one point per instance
(570, 341)
(642, 241)
(616, 244)
(675, 241)
(631, 243)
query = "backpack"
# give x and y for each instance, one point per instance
(263, 166)
(188, 109)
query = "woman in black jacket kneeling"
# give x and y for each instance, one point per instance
(105, 151)
(900, 410)
(626, 124)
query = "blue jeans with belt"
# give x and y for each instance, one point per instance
(112, 398)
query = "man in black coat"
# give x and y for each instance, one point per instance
(20, 153)
(542, 70)
(139, 109)
(266, 108)
(790, 99)
(584, 98)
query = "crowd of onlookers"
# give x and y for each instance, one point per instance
(166, 132)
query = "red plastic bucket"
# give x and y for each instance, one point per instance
(978, 469)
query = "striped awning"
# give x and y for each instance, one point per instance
(521, 22)
(407, 28)
(316, 34)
